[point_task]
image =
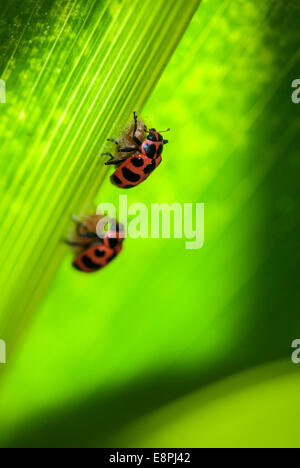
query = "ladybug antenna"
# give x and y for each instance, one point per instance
(164, 131)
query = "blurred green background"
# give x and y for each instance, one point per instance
(175, 347)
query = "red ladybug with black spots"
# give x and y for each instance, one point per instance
(145, 157)
(94, 253)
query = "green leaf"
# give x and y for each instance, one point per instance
(112, 359)
(74, 72)
(237, 412)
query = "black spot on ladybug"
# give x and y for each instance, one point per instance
(128, 186)
(152, 137)
(137, 162)
(116, 179)
(150, 150)
(113, 241)
(129, 175)
(148, 169)
(160, 137)
(159, 150)
(89, 263)
(99, 252)
(77, 266)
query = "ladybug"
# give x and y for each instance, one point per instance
(145, 157)
(94, 252)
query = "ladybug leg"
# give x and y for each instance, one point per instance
(88, 234)
(137, 141)
(79, 225)
(113, 141)
(135, 122)
(128, 150)
(112, 162)
(107, 154)
(121, 150)
(74, 244)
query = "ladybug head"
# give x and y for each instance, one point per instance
(156, 136)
